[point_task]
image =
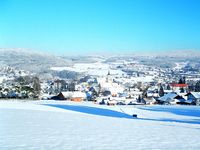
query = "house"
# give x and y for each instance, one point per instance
(73, 96)
(113, 88)
(167, 98)
(112, 102)
(63, 96)
(193, 97)
(179, 100)
(46, 97)
(78, 96)
(177, 86)
(152, 93)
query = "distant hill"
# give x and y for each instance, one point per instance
(180, 53)
(40, 63)
(29, 60)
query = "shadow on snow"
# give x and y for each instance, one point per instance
(183, 110)
(93, 111)
(117, 114)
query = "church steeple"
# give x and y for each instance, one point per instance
(108, 73)
(108, 76)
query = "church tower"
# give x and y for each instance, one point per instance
(108, 77)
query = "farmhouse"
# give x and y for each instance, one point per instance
(73, 96)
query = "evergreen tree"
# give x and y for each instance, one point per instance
(191, 87)
(139, 99)
(161, 91)
(184, 80)
(197, 87)
(182, 90)
(180, 81)
(168, 87)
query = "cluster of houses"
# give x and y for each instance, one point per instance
(173, 97)
(178, 95)
(108, 91)
(18, 91)
(120, 83)
(18, 84)
(190, 98)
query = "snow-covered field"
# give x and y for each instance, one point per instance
(95, 69)
(87, 126)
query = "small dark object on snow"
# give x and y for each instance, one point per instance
(134, 116)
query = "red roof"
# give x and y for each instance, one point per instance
(178, 85)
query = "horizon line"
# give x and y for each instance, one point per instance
(103, 52)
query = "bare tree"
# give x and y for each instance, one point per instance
(36, 86)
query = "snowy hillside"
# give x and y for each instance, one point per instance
(29, 60)
(69, 125)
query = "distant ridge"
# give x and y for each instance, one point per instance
(180, 53)
(30, 60)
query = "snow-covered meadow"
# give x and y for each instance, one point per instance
(70, 125)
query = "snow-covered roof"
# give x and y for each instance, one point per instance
(151, 94)
(168, 91)
(136, 92)
(168, 97)
(79, 94)
(195, 94)
(114, 88)
(67, 94)
(74, 94)
(181, 94)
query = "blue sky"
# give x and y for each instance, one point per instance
(97, 26)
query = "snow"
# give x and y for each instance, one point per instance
(2, 78)
(195, 94)
(180, 65)
(95, 69)
(168, 97)
(72, 125)
(66, 68)
(143, 79)
(82, 67)
(73, 94)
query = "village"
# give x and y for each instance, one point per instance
(122, 82)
